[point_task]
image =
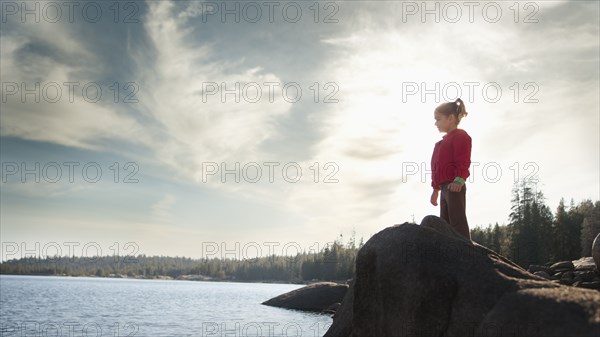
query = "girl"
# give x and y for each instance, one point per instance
(450, 165)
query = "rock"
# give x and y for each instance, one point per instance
(535, 268)
(584, 264)
(585, 276)
(568, 276)
(195, 278)
(162, 277)
(562, 266)
(314, 297)
(426, 280)
(590, 285)
(333, 308)
(562, 271)
(596, 251)
(433, 222)
(342, 320)
(543, 274)
(566, 281)
(544, 312)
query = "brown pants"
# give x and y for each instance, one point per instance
(453, 209)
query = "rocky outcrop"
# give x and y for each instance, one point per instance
(580, 273)
(321, 297)
(195, 278)
(428, 280)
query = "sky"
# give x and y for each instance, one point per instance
(237, 129)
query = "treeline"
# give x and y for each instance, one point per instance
(335, 262)
(536, 236)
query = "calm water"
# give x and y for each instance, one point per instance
(69, 306)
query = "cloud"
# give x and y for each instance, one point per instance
(162, 210)
(371, 132)
(192, 129)
(41, 189)
(171, 118)
(376, 128)
(57, 112)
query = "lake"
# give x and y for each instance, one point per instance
(85, 306)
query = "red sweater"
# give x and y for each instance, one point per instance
(451, 158)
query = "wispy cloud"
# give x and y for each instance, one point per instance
(162, 210)
(191, 131)
(68, 121)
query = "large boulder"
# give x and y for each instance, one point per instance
(596, 251)
(321, 296)
(429, 280)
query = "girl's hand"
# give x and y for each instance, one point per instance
(434, 197)
(454, 187)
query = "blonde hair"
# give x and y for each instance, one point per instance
(456, 108)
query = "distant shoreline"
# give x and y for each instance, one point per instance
(193, 278)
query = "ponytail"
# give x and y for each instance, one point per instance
(456, 108)
(461, 109)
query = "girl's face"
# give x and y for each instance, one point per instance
(444, 123)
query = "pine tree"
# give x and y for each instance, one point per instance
(496, 240)
(575, 220)
(515, 222)
(542, 217)
(590, 226)
(561, 232)
(523, 248)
